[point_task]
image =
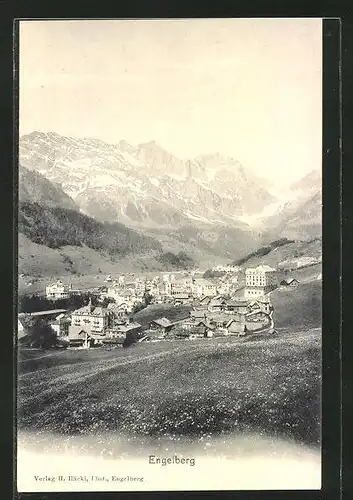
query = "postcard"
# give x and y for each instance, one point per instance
(169, 329)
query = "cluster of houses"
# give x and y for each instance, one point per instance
(236, 303)
(218, 316)
(167, 289)
(226, 269)
(92, 326)
(89, 325)
(128, 293)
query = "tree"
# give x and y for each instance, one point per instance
(130, 339)
(33, 303)
(213, 274)
(147, 298)
(138, 307)
(42, 335)
(106, 301)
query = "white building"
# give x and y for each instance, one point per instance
(224, 288)
(264, 276)
(61, 325)
(21, 332)
(259, 281)
(202, 287)
(96, 319)
(127, 298)
(176, 287)
(253, 292)
(58, 290)
(140, 286)
(226, 269)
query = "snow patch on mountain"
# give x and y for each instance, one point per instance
(155, 181)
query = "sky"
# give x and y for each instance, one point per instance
(250, 89)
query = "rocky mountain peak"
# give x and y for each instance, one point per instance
(145, 184)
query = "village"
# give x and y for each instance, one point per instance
(233, 301)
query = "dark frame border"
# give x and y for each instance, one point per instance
(331, 436)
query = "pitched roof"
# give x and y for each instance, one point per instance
(264, 299)
(21, 330)
(198, 313)
(84, 310)
(231, 321)
(200, 323)
(127, 328)
(79, 332)
(218, 318)
(124, 305)
(61, 321)
(97, 336)
(217, 301)
(257, 311)
(290, 280)
(162, 322)
(100, 311)
(253, 302)
(181, 296)
(261, 268)
(115, 308)
(236, 326)
(265, 268)
(237, 303)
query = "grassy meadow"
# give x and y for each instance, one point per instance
(268, 385)
(178, 388)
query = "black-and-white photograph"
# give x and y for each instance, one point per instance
(169, 330)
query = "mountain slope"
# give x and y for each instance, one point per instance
(47, 228)
(306, 221)
(299, 220)
(285, 254)
(202, 207)
(300, 217)
(144, 185)
(36, 260)
(208, 244)
(308, 185)
(34, 187)
(58, 227)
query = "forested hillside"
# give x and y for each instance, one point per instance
(56, 227)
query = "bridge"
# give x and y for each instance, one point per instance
(50, 312)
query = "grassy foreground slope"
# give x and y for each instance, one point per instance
(298, 307)
(177, 388)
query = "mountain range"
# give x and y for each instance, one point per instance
(300, 216)
(209, 207)
(144, 185)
